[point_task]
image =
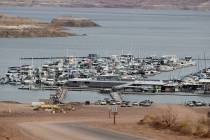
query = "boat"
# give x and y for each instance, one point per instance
(165, 68)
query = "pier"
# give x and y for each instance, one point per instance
(82, 57)
(59, 95)
(53, 57)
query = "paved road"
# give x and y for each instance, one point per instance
(72, 131)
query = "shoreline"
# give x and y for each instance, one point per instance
(161, 7)
(80, 7)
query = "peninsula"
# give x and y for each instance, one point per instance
(14, 26)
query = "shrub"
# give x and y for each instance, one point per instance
(185, 127)
(157, 122)
(165, 120)
(201, 130)
(147, 119)
(168, 120)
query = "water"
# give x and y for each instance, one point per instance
(11, 93)
(140, 32)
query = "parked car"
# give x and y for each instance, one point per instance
(126, 104)
(118, 102)
(112, 102)
(146, 103)
(97, 102)
(135, 103)
(198, 103)
(129, 104)
(103, 103)
(190, 103)
(87, 102)
(123, 105)
(107, 100)
(195, 103)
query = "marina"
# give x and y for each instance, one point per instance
(119, 34)
(115, 76)
(93, 71)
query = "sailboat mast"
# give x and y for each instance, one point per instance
(204, 55)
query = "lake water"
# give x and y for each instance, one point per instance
(140, 32)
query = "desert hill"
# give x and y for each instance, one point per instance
(144, 4)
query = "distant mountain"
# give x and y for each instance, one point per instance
(144, 4)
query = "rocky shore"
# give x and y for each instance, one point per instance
(70, 21)
(40, 32)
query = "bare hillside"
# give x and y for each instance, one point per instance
(145, 4)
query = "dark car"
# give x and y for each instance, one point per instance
(146, 103)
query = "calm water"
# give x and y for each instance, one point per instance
(140, 32)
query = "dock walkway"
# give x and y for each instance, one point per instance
(116, 96)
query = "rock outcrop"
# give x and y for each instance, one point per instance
(70, 21)
(13, 27)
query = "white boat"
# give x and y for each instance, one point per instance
(165, 68)
(48, 82)
(28, 81)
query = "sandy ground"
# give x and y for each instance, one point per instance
(13, 115)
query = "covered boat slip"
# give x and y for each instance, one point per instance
(147, 86)
(126, 86)
(129, 87)
(206, 85)
(94, 83)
